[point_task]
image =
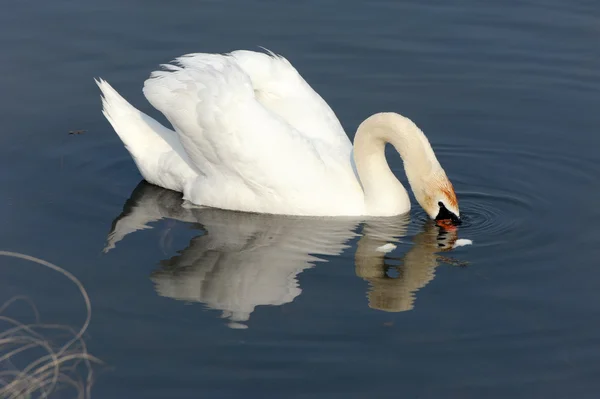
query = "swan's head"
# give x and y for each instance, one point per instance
(438, 199)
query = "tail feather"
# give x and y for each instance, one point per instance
(129, 122)
(155, 149)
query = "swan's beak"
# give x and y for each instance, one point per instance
(446, 218)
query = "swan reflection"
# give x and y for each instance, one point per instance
(243, 260)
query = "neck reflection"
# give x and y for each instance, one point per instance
(393, 282)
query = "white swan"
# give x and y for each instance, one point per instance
(252, 135)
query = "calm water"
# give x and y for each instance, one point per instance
(214, 304)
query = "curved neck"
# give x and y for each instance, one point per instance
(384, 194)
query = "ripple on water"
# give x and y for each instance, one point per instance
(507, 194)
(487, 218)
(492, 215)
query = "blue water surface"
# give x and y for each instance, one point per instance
(215, 304)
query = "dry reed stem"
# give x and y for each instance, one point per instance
(50, 372)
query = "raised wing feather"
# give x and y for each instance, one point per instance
(250, 156)
(282, 90)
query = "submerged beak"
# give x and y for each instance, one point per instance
(446, 218)
(447, 224)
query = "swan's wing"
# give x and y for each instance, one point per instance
(282, 90)
(241, 147)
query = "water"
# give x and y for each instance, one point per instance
(506, 93)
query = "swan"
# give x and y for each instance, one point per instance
(250, 134)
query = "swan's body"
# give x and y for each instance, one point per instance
(252, 135)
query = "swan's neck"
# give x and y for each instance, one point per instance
(384, 194)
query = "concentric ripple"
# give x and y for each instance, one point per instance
(492, 214)
(488, 218)
(511, 194)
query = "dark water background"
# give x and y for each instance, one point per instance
(507, 93)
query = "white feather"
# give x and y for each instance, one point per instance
(155, 149)
(461, 242)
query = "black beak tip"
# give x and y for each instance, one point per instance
(445, 214)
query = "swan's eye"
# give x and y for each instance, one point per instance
(445, 214)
